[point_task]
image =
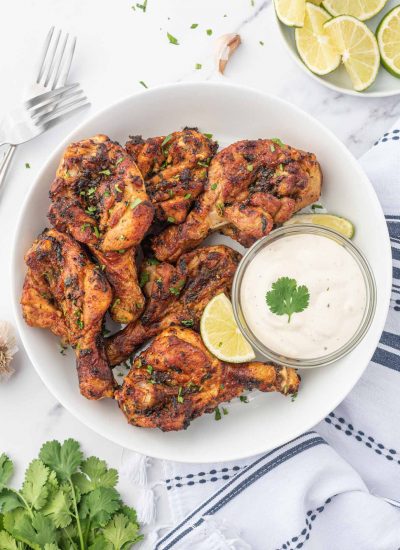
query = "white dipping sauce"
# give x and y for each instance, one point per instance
(337, 296)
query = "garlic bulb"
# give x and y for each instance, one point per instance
(226, 45)
(7, 349)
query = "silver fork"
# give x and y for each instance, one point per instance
(52, 72)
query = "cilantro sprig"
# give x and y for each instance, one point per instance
(66, 502)
(286, 298)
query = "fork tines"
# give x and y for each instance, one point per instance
(56, 59)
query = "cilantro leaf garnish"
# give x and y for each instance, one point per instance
(66, 502)
(286, 298)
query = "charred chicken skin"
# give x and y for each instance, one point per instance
(177, 295)
(99, 198)
(174, 168)
(176, 380)
(66, 293)
(252, 185)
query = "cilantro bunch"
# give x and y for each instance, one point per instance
(66, 502)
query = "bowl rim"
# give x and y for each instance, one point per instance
(16, 261)
(370, 302)
(318, 78)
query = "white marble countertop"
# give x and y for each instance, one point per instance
(117, 48)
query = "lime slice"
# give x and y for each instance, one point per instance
(314, 44)
(291, 12)
(220, 333)
(341, 225)
(388, 35)
(358, 48)
(362, 9)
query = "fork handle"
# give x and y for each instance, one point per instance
(5, 163)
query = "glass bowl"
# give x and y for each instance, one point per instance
(370, 290)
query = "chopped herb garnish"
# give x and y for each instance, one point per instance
(286, 298)
(175, 290)
(91, 191)
(170, 193)
(152, 261)
(85, 226)
(105, 172)
(96, 231)
(116, 302)
(171, 219)
(278, 141)
(143, 6)
(106, 193)
(187, 196)
(261, 43)
(221, 208)
(281, 167)
(117, 187)
(225, 410)
(198, 66)
(205, 162)
(27, 165)
(172, 39)
(143, 84)
(209, 136)
(250, 167)
(316, 206)
(209, 32)
(144, 278)
(135, 203)
(220, 344)
(272, 148)
(62, 349)
(118, 161)
(180, 397)
(217, 414)
(149, 369)
(166, 140)
(294, 396)
(244, 399)
(122, 251)
(214, 186)
(194, 25)
(187, 323)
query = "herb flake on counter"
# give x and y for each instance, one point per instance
(209, 32)
(143, 6)
(27, 165)
(244, 399)
(143, 84)
(198, 66)
(172, 39)
(194, 25)
(217, 414)
(316, 207)
(286, 298)
(66, 501)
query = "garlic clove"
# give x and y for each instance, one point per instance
(7, 349)
(226, 45)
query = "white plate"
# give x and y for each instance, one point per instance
(385, 84)
(230, 113)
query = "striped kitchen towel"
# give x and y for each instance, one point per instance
(334, 488)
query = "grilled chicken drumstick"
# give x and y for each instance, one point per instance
(252, 185)
(66, 293)
(176, 296)
(174, 168)
(99, 197)
(176, 380)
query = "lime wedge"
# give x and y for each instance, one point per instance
(362, 9)
(358, 47)
(220, 333)
(314, 44)
(388, 35)
(291, 12)
(341, 225)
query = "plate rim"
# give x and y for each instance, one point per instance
(317, 78)
(57, 393)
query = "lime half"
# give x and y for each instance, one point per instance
(314, 44)
(341, 225)
(362, 9)
(291, 12)
(358, 47)
(388, 35)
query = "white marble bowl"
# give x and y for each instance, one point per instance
(385, 84)
(230, 113)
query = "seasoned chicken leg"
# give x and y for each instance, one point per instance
(177, 379)
(176, 296)
(65, 292)
(174, 168)
(252, 185)
(99, 198)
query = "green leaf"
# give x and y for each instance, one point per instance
(287, 298)
(172, 39)
(120, 532)
(6, 470)
(59, 507)
(95, 474)
(100, 544)
(34, 489)
(51, 546)
(9, 500)
(99, 505)
(7, 542)
(64, 459)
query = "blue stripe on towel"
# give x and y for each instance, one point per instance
(237, 489)
(386, 359)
